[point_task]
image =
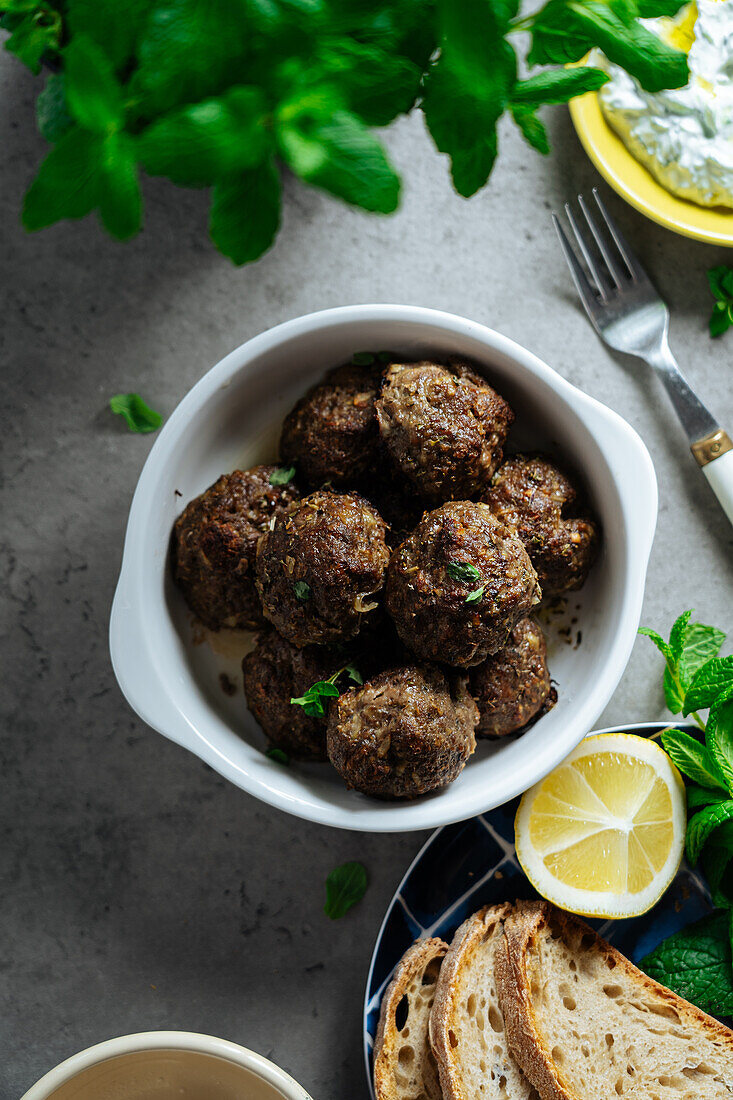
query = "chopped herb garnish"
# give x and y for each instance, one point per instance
(345, 886)
(302, 590)
(138, 416)
(720, 279)
(278, 755)
(362, 358)
(312, 701)
(387, 356)
(475, 596)
(283, 475)
(463, 572)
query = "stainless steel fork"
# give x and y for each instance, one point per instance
(628, 314)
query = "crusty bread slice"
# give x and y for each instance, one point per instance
(466, 1024)
(404, 1068)
(585, 1024)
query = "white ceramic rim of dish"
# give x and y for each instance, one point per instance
(190, 1041)
(152, 699)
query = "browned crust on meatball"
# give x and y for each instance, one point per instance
(513, 687)
(214, 543)
(541, 503)
(429, 605)
(276, 672)
(443, 426)
(404, 733)
(331, 434)
(330, 548)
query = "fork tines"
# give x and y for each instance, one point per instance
(609, 268)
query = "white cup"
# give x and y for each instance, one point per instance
(238, 1073)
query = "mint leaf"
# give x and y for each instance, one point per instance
(463, 572)
(353, 673)
(36, 32)
(710, 680)
(138, 416)
(345, 886)
(120, 201)
(696, 964)
(245, 213)
(377, 85)
(692, 758)
(303, 592)
(557, 86)
(704, 796)
(113, 25)
(721, 285)
(67, 182)
(283, 475)
(700, 827)
(715, 861)
(700, 644)
(658, 640)
(333, 149)
(532, 129)
(656, 9)
(189, 50)
(719, 735)
(677, 634)
(201, 144)
(93, 95)
(476, 595)
(557, 39)
(278, 756)
(52, 114)
(643, 54)
(469, 86)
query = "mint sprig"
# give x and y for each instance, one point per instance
(226, 95)
(138, 416)
(720, 279)
(696, 962)
(315, 700)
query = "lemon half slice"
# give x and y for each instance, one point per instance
(603, 834)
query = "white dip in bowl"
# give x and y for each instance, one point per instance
(684, 136)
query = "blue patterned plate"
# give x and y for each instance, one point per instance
(464, 866)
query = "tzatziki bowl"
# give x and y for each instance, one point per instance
(670, 153)
(186, 686)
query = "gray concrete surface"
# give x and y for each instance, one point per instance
(138, 889)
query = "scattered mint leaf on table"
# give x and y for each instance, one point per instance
(721, 285)
(696, 964)
(345, 886)
(139, 417)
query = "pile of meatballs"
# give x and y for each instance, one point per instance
(390, 565)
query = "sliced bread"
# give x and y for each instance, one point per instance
(585, 1024)
(404, 1068)
(466, 1024)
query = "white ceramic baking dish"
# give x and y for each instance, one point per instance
(231, 419)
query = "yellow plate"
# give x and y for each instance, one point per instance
(635, 184)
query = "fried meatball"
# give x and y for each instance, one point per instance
(458, 584)
(513, 687)
(444, 428)
(214, 543)
(276, 672)
(320, 567)
(542, 505)
(405, 732)
(331, 434)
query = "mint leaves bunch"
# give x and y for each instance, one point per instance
(696, 962)
(315, 700)
(229, 93)
(721, 285)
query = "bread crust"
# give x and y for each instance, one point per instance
(522, 928)
(415, 961)
(467, 939)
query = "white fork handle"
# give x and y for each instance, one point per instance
(719, 473)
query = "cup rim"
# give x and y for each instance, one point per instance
(190, 1041)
